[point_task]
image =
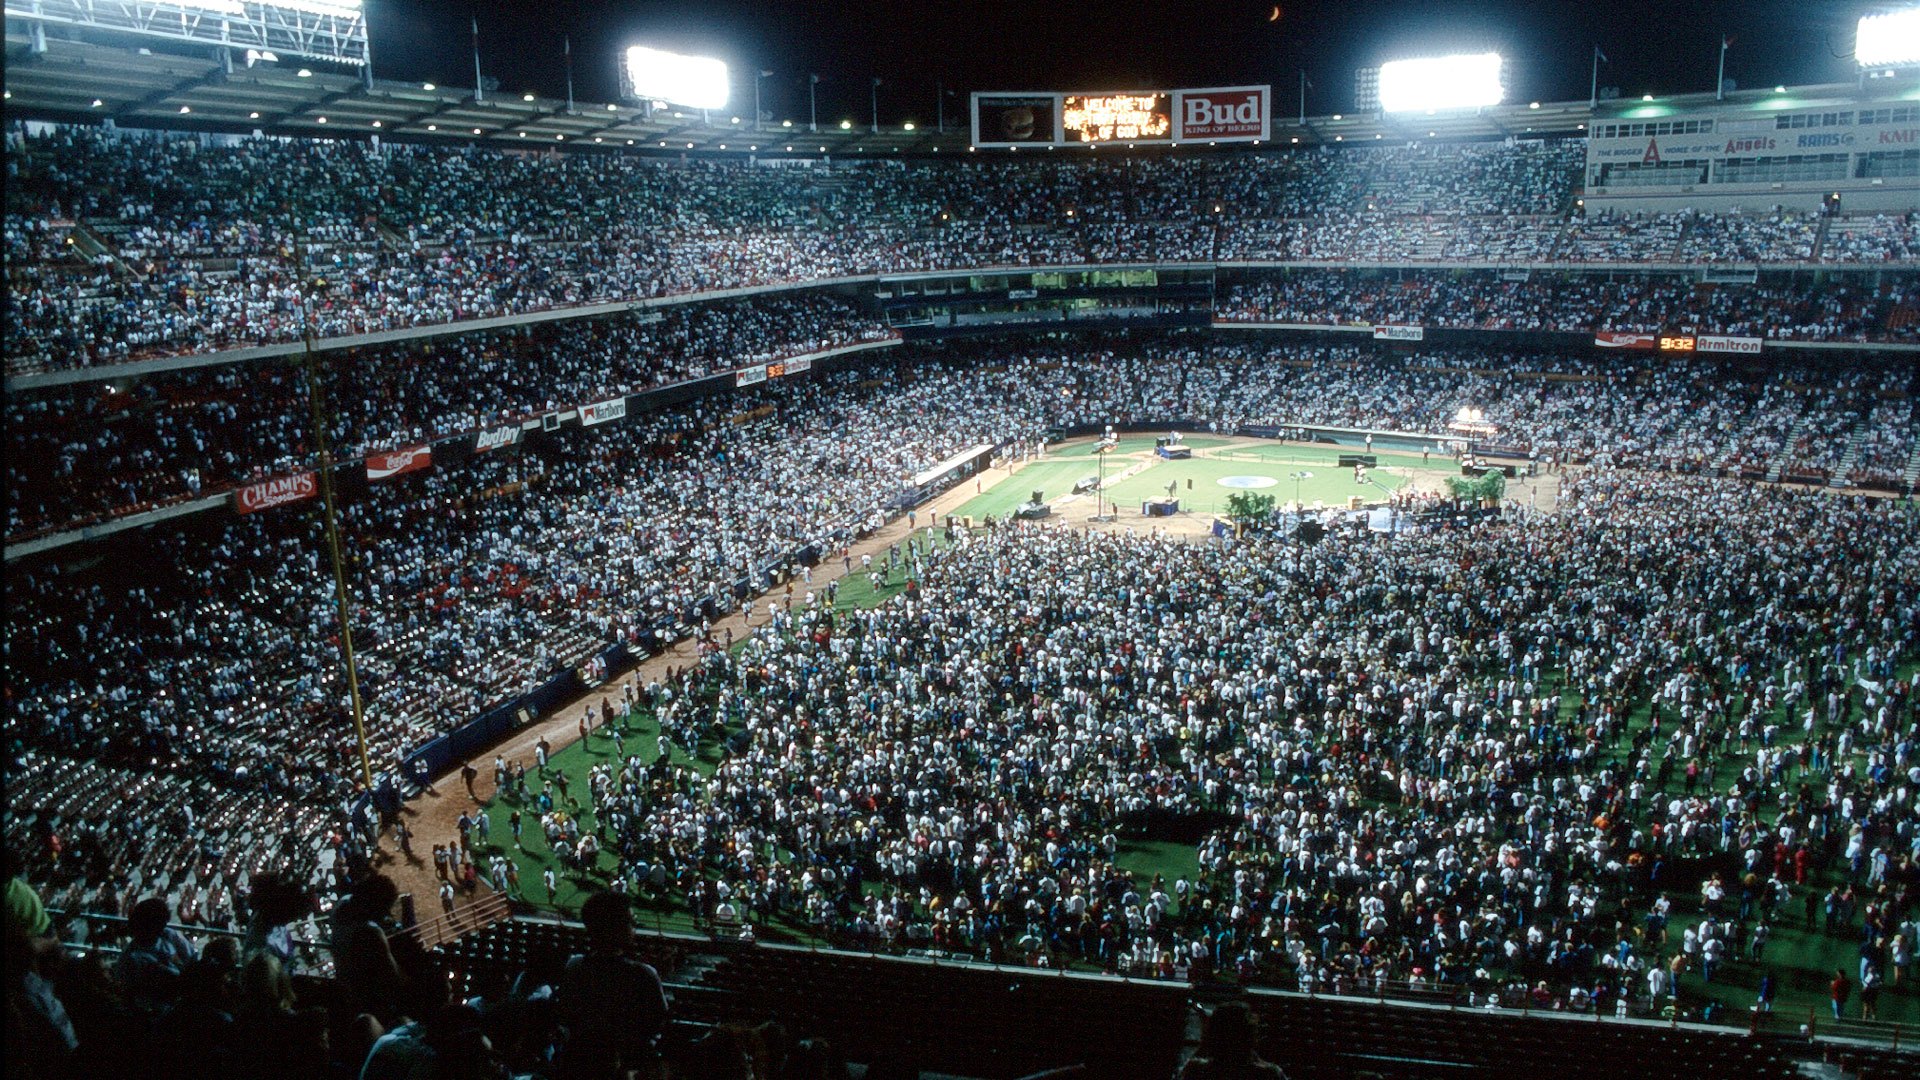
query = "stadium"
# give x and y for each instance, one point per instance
(1128, 571)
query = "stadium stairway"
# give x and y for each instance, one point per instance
(98, 238)
(1779, 463)
(1851, 456)
(1913, 470)
(390, 238)
(1820, 237)
(1680, 241)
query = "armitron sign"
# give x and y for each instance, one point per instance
(1749, 346)
(276, 492)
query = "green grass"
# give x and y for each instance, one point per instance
(1134, 444)
(1060, 471)
(1052, 477)
(1146, 859)
(1329, 484)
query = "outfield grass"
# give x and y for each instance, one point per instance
(1131, 444)
(1052, 477)
(1329, 484)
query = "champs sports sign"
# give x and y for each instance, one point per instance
(276, 492)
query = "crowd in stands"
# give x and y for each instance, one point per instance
(477, 581)
(1650, 303)
(151, 1002)
(87, 449)
(204, 431)
(1431, 749)
(122, 245)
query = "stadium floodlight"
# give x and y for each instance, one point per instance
(1466, 81)
(699, 82)
(1890, 39)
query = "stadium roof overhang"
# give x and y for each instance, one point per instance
(189, 89)
(154, 88)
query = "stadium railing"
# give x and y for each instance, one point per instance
(312, 955)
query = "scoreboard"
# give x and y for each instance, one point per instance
(1090, 118)
(1212, 115)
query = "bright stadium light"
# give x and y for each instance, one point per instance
(699, 82)
(1441, 82)
(1891, 39)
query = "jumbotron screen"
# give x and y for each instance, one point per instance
(1095, 118)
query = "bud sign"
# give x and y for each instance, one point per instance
(1222, 114)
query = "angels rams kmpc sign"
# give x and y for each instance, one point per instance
(279, 491)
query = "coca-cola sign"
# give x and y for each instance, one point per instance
(494, 438)
(1222, 114)
(279, 491)
(1615, 339)
(387, 466)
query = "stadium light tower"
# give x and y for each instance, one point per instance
(698, 82)
(1466, 81)
(1887, 40)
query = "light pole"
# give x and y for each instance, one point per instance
(343, 609)
(757, 113)
(1297, 477)
(813, 103)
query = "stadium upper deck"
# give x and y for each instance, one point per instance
(122, 245)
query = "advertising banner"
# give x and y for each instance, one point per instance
(804, 363)
(494, 438)
(387, 466)
(279, 491)
(602, 411)
(1223, 114)
(1213, 114)
(1609, 339)
(1016, 119)
(750, 376)
(1748, 346)
(1399, 333)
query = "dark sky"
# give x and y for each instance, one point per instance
(1653, 47)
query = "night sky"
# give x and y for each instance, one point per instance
(913, 45)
